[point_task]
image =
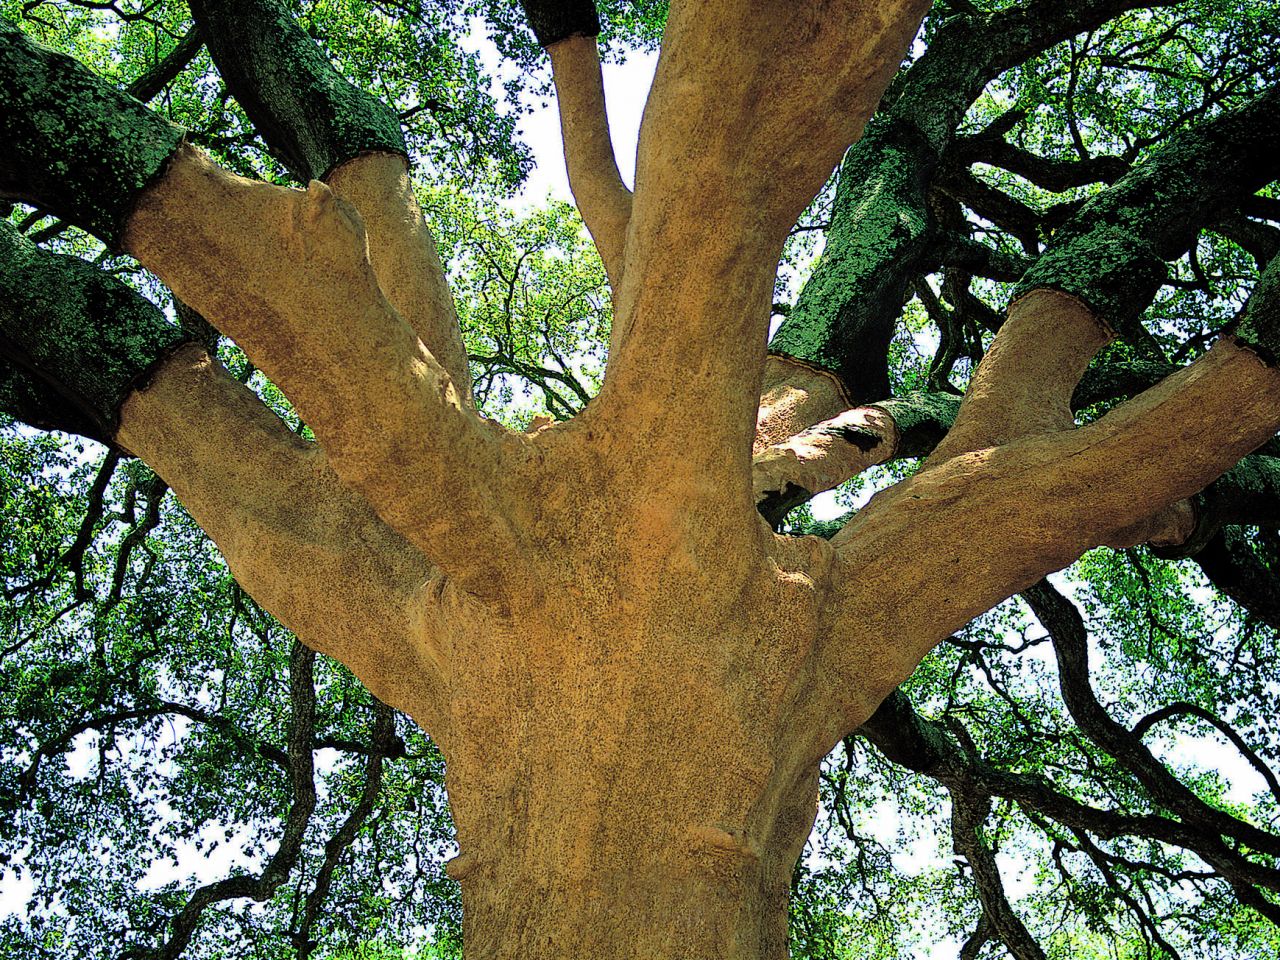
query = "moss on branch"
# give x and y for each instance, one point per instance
(1112, 253)
(70, 142)
(308, 114)
(74, 340)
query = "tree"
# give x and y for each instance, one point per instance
(633, 679)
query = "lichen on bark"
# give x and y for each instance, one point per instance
(87, 337)
(74, 145)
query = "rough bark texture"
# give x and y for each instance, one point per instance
(78, 340)
(310, 116)
(54, 107)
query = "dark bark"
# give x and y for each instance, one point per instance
(883, 233)
(553, 21)
(1247, 573)
(72, 144)
(969, 811)
(32, 401)
(75, 339)
(1051, 173)
(1112, 253)
(310, 117)
(925, 746)
(301, 773)
(149, 84)
(1260, 328)
(1071, 646)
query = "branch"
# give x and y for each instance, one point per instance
(926, 746)
(1109, 260)
(1071, 645)
(883, 233)
(302, 699)
(822, 457)
(72, 144)
(1112, 254)
(326, 128)
(1054, 495)
(311, 117)
(404, 257)
(75, 340)
(719, 182)
(601, 196)
(1050, 173)
(308, 550)
(1192, 710)
(968, 813)
(148, 85)
(382, 738)
(286, 274)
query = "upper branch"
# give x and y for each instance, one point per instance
(325, 128)
(51, 108)
(95, 352)
(308, 550)
(884, 231)
(750, 108)
(286, 274)
(1110, 260)
(1053, 491)
(568, 32)
(308, 114)
(602, 198)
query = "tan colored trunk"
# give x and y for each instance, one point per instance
(618, 875)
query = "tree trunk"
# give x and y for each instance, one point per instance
(586, 874)
(631, 796)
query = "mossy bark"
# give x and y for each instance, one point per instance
(81, 339)
(71, 143)
(308, 113)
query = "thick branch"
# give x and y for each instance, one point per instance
(1053, 496)
(602, 198)
(34, 402)
(1112, 254)
(719, 182)
(883, 234)
(404, 257)
(787, 474)
(72, 144)
(308, 550)
(1051, 173)
(286, 274)
(310, 116)
(74, 339)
